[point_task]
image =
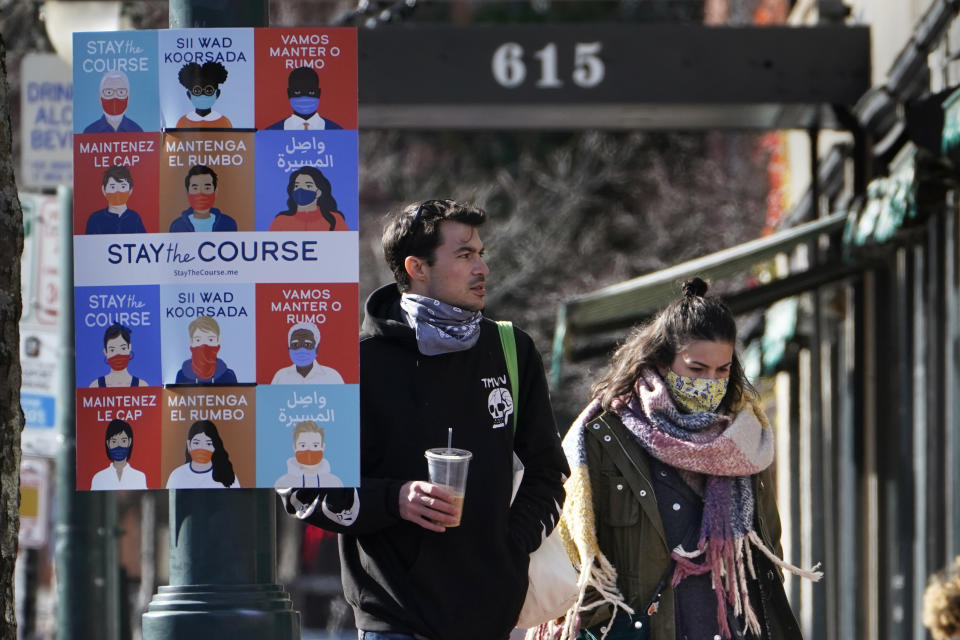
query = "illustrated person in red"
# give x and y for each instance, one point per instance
(303, 91)
(303, 339)
(117, 187)
(203, 89)
(201, 215)
(206, 461)
(117, 353)
(118, 442)
(310, 204)
(204, 367)
(308, 467)
(114, 98)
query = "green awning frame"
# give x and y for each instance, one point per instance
(621, 305)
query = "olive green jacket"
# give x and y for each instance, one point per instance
(630, 533)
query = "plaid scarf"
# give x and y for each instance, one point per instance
(727, 449)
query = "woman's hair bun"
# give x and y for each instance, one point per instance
(694, 287)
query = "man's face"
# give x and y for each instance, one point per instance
(203, 337)
(201, 183)
(113, 186)
(458, 274)
(302, 339)
(114, 94)
(115, 87)
(309, 441)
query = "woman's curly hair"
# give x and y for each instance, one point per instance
(941, 603)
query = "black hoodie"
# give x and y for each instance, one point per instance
(469, 582)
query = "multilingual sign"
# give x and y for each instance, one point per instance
(46, 117)
(216, 310)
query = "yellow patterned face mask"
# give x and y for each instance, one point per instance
(695, 395)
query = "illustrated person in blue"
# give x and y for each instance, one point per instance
(117, 354)
(201, 215)
(303, 340)
(203, 89)
(308, 467)
(117, 187)
(310, 204)
(204, 367)
(303, 90)
(206, 461)
(118, 442)
(114, 98)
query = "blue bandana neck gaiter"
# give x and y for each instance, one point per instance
(440, 327)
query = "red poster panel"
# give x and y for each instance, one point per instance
(118, 438)
(329, 311)
(306, 78)
(115, 183)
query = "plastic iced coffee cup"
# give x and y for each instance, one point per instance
(448, 468)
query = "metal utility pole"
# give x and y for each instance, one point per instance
(223, 544)
(88, 577)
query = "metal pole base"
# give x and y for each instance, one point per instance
(222, 612)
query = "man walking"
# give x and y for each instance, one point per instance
(430, 361)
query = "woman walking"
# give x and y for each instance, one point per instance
(670, 508)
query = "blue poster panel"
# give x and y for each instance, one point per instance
(117, 336)
(306, 181)
(115, 86)
(206, 78)
(207, 333)
(307, 436)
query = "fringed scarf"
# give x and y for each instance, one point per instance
(728, 450)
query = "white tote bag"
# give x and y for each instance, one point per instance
(552, 589)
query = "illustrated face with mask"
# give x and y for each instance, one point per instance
(303, 348)
(203, 96)
(308, 449)
(698, 376)
(201, 450)
(114, 94)
(304, 95)
(117, 353)
(118, 446)
(117, 192)
(204, 347)
(305, 192)
(201, 193)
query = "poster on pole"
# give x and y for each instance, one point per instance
(216, 311)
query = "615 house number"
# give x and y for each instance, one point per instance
(510, 70)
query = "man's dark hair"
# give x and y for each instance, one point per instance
(119, 174)
(114, 330)
(117, 427)
(415, 231)
(210, 73)
(197, 170)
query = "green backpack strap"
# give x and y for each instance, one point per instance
(509, 343)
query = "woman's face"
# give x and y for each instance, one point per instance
(303, 181)
(200, 441)
(116, 346)
(704, 359)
